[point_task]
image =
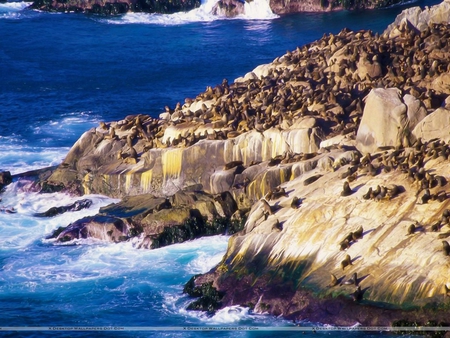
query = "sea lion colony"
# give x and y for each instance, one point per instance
(327, 79)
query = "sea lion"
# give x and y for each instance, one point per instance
(353, 280)
(446, 248)
(436, 226)
(411, 229)
(333, 281)
(358, 294)
(295, 202)
(277, 193)
(311, 179)
(345, 244)
(111, 134)
(444, 235)
(267, 209)
(346, 262)
(103, 125)
(368, 194)
(232, 164)
(358, 233)
(346, 190)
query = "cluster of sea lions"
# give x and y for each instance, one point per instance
(326, 79)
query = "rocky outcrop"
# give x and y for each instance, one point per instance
(296, 6)
(420, 19)
(76, 206)
(114, 7)
(330, 151)
(152, 222)
(5, 179)
(228, 8)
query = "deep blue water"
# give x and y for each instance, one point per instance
(61, 74)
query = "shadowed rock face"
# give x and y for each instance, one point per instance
(296, 6)
(115, 7)
(228, 8)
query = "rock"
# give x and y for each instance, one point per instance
(108, 229)
(228, 8)
(435, 125)
(5, 179)
(115, 7)
(76, 206)
(387, 120)
(152, 221)
(421, 19)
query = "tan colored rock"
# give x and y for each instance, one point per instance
(383, 117)
(435, 125)
(400, 269)
(420, 19)
(388, 120)
(441, 84)
(416, 110)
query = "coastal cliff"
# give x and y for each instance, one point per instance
(336, 154)
(227, 8)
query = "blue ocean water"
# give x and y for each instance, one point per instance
(60, 74)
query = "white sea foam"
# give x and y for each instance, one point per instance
(258, 9)
(12, 10)
(13, 6)
(22, 158)
(70, 125)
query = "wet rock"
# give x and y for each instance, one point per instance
(5, 179)
(76, 206)
(108, 229)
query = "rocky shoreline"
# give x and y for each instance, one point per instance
(329, 164)
(227, 8)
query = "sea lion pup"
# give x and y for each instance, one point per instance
(266, 208)
(296, 202)
(346, 262)
(346, 190)
(333, 281)
(411, 229)
(446, 248)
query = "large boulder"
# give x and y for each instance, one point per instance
(153, 222)
(388, 120)
(228, 8)
(435, 125)
(5, 179)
